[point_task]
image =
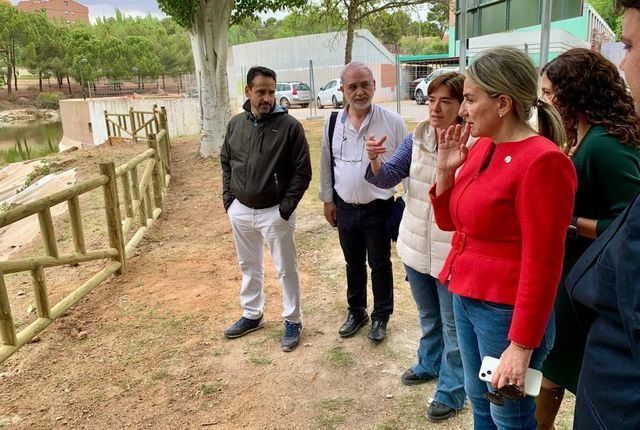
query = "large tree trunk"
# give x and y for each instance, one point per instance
(40, 80)
(209, 40)
(69, 86)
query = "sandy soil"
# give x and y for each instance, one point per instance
(145, 350)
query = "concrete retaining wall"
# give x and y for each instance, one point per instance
(83, 122)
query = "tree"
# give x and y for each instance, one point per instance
(438, 16)
(607, 10)
(389, 27)
(357, 10)
(13, 33)
(208, 24)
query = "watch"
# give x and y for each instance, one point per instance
(572, 232)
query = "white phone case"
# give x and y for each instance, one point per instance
(532, 380)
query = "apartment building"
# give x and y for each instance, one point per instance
(66, 11)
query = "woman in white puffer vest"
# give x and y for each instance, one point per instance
(423, 247)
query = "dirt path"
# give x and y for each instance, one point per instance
(145, 350)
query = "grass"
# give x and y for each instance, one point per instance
(260, 361)
(332, 412)
(211, 390)
(159, 375)
(338, 357)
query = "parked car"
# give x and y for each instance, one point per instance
(421, 88)
(331, 93)
(412, 87)
(293, 94)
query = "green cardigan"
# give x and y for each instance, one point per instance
(608, 179)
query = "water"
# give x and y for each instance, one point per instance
(41, 138)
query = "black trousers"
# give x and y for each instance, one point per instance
(364, 235)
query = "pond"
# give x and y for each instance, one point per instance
(35, 139)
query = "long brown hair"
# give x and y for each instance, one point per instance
(585, 83)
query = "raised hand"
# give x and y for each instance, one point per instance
(375, 147)
(452, 147)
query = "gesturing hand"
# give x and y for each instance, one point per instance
(375, 147)
(452, 147)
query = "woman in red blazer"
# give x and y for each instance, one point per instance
(510, 206)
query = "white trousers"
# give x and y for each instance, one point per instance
(251, 228)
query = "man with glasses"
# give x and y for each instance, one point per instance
(604, 286)
(356, 207)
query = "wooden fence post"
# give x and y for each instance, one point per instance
(48, 234)
(7, 329)
(158, 175)
(76, 225)
(155, 119)
(132, 118)
(167, 142)
(40, 292)
(112, 208)
(135, 185)
(106, 121)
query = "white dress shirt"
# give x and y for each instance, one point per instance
(350, 155)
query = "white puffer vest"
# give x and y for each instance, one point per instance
(421, 244)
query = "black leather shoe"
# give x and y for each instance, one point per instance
(439, 411)
(353, 324)
(378, 331)
(409, 377)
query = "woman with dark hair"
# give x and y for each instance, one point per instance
(423, 247)
(603, 143)
(510, 205)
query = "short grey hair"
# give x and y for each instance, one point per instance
(355, 65)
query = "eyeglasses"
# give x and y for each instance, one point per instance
(508, 392)
(353, 157)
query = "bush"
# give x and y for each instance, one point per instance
(49, 100)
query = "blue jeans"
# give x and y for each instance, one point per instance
(438, 352)
(483, 328)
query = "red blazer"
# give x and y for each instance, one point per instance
(510, 207)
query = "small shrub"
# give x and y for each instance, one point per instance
(49, 100)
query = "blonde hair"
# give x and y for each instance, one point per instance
(509, 71)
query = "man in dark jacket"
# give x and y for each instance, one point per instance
(266, 171)
(604, 286)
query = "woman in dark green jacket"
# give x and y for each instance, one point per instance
(604, 144)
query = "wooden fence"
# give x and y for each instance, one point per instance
(131, 125)
(142, 200)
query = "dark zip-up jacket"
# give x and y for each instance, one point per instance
(265, 162)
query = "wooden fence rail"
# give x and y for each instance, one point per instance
(142, 200)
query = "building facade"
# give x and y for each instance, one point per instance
(65, 11)
(575, 23)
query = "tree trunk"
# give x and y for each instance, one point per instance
(352, 22)
(69, 86)
(9, 77)
(163, 87)
(14, 65)
(40, 79)
(209, 40)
